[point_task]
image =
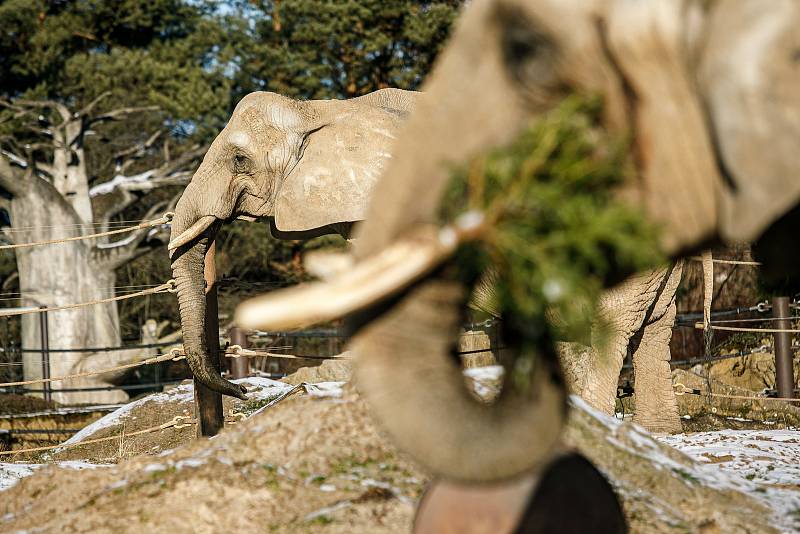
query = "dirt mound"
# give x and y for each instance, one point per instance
(154, 410)
(330, 371)
(318, 463)
(11, 403)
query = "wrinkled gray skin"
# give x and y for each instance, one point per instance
(309, 167)
(639, 315)
(709, 92)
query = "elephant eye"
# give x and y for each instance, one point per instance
(241, 164)
(528, 53)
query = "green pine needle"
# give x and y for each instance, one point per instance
(556, 236)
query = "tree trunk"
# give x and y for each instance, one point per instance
(60, 274)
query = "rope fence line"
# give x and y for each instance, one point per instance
(700, 326)
(682, 389)
(755, 320)
(95, 349)
(728, 262)
(168, 287)
(173, 355)
(164, 219)
(179, 421)
(122, 387)
(236, 351)
(176, 354)
(107, 224)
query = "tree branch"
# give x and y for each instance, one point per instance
(125, 158)
(111, 197)
(117, 253)
(13, 171)
(88, 108)
(46, 104)
(119, 113)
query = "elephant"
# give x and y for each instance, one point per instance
(639, 314)
(307, 167)
(707, 92)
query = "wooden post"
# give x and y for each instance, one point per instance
(240, 367)
(208, 403)
(784, 374)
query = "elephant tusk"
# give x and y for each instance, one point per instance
(325, 265)
(191, 233)
(369, 281)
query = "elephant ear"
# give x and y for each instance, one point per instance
(750, 77)
(340, 163)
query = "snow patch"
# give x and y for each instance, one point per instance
(11, 473)
(324, 389)
(485, 380)
(154, 468)
(763, 463)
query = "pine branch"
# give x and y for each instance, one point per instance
(552, 229)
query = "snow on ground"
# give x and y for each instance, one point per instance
(766, 463)
(485, 380)
(325, 389)
(11, 473)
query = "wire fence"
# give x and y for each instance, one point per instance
(164, 219)
(308, 344)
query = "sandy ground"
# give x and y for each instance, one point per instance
(317, 463)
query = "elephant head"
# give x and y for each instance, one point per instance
(707, 93)
(307, 166)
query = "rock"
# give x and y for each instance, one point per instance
(756, 409)
(333, 370)
(754, 372)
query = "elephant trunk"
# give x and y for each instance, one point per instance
(187, 269)
(408, 373)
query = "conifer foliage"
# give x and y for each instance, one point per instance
(553, 235)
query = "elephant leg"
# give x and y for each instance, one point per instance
(656, 406)
(602, 374)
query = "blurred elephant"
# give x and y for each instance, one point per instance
(307, 167)
(640, 314)
(708, 91)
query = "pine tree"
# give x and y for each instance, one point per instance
(103, 111)
(323, 49)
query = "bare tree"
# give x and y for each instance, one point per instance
(45, 187)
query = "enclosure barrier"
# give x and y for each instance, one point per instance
(167, 287)
(179, 421)
(164, 219)
(681, 389)
(209, 404)
(176, 354)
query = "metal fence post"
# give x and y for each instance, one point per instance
(784, 374)
(240, 367)
(208, 403)
(44, 335)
